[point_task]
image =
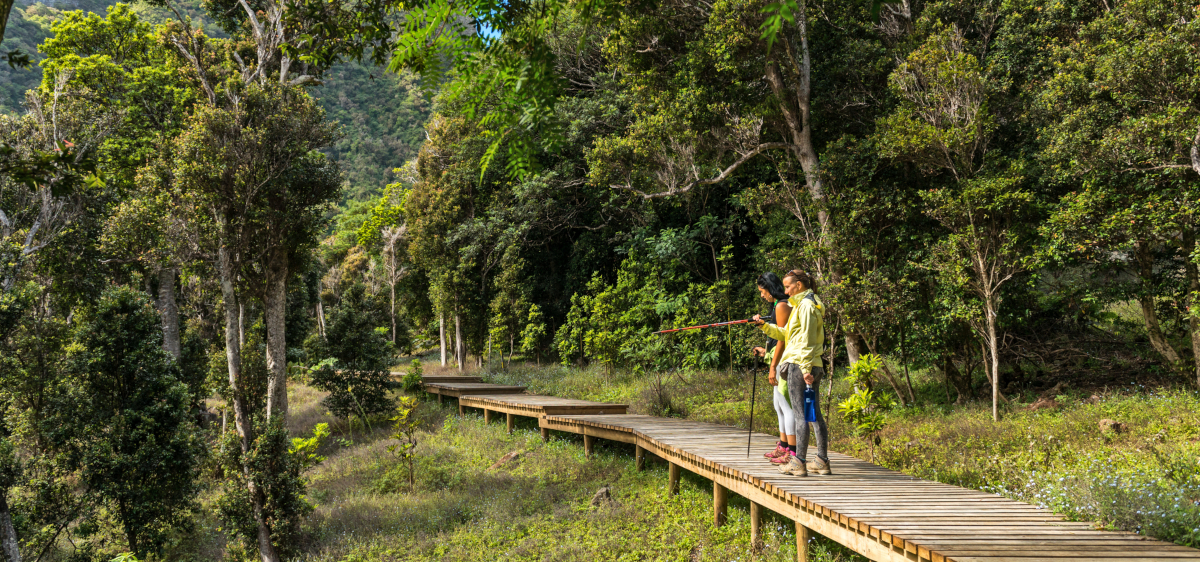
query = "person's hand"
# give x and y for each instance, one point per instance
(808, 378)
(758, 319)
(771, 378)
(759, 351)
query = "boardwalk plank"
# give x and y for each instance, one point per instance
(877, 512)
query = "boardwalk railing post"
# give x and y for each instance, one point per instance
(756, 527)
(639, 455)
(802, 536)
(673, 480)
(720, 502)
(589, 443)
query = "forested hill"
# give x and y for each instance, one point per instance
(381, 114)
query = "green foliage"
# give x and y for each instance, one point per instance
(305, 448)
(412, 379)
(126, 421)
(533, 335)
(277, 480)
(358, 378)
(404, 430)
(866, 409)
(612, 324)
(942, 122)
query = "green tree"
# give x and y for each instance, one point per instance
(356, 357)
(942, 125)
(239, 175)
(1120, 118)
(126, 423)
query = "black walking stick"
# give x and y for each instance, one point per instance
(753, 393)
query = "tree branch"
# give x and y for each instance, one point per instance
(721, 177)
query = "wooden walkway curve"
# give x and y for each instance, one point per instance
(882, 514)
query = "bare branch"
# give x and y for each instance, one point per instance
(719, 178)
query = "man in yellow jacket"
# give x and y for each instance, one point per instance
(803, 339)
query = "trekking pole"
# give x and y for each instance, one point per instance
(753, 393)
(701, 326)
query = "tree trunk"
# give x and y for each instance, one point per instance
(8, 535)
(320, 317)
(1192, 271)
(241, 325)
(233, 354)
(275, 310)
(392, 310)
(1153, 329)
(168, 308)
(994, 349)
(887, 374)
(854, 345)
(442, 336)
(460, 352)
(954, 378)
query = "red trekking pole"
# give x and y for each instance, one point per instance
(702, 326)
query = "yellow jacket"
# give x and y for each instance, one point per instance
(804, 334)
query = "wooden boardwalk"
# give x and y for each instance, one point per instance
(459, 389)
(534, 406)
(881, 514)
(440, 379)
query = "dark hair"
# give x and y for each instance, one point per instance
(803, 277)
(773, 285)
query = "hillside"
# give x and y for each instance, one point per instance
(381, 114)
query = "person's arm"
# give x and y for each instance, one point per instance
(782, 311)
(774, 331)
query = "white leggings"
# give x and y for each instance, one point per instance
(783, 411)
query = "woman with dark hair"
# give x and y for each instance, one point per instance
(771, 290)
(803, 340)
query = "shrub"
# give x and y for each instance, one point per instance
(412, 379)
(356, 356)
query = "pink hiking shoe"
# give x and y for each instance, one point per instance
(784, 458)
(778, 452)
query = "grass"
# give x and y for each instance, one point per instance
(535, 507)
(1144, 478)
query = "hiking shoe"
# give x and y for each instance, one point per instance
(794, 467)
(783, 459)
(818, 466)
(779, 451)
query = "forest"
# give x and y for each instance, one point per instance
(214, 215)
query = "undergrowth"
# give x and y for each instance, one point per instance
(537, 506)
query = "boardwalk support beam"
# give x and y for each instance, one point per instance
(720, 504)
(589, 444)
(673, 480)
(545, 434)
(756, 526)
(639, 455)
(802, 537)
(460, 408)
(509, 421)
(487, 416)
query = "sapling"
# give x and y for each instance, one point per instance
(864, 409)
(404, 426)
